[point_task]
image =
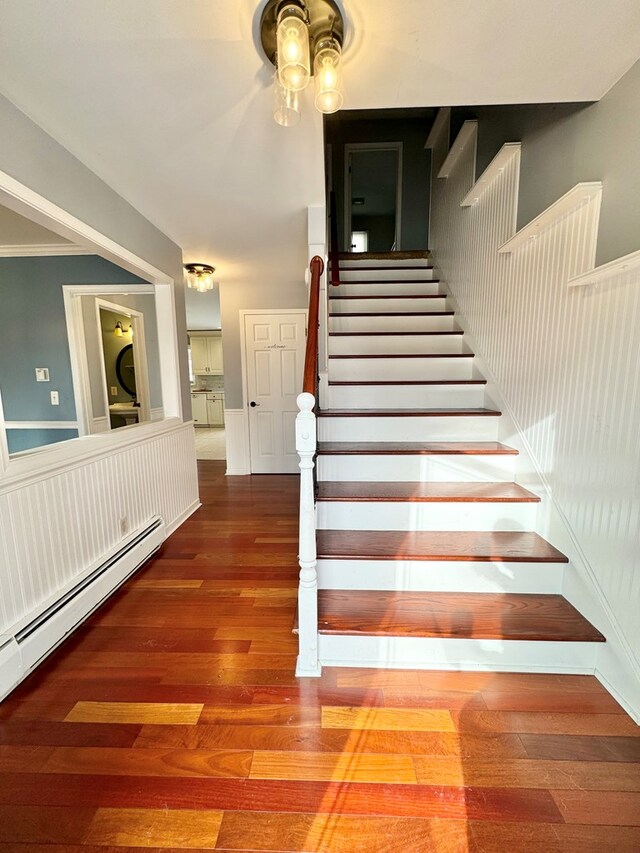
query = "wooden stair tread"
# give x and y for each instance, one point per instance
(470, 546)
(405, 355)
(412, 448)
(388, 280)
(391, 295)
(444, 615)
(403, 267)
(406, 413)
(425, 492)
(393, 313)
(394, 382)
(408, 255)
(398, 334)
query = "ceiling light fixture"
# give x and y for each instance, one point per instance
(292, 33)
(200, 277)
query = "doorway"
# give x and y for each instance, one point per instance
(373, 196)
(273, 349)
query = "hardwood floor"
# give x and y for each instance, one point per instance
(172, 721)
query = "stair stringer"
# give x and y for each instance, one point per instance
(614, 663)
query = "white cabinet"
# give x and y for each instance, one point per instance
(199, 409)
(206, 354)
(215, 410)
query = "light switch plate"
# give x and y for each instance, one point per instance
(114, 391)
(42, 374)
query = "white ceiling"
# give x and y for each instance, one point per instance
(169, 100)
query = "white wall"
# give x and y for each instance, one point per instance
(564, 361)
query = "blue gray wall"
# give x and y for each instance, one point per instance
(563, 144)
(416, 167)
(33, 330)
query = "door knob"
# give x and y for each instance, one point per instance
(253, 404)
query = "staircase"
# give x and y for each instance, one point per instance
(427, 550)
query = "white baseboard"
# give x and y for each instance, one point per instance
(99, 425)
(26, 644)
(237, 436)
(171, 528)
(615, 664)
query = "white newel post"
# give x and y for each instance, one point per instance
(308, 588)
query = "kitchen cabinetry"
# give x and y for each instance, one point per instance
(215, 410)
(206, 355)
(199, 409)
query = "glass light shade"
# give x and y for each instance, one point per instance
(327, 70)
(200, 277)
(294, 68)
(286, 104)
(118, 331)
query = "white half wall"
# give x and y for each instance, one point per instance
(54, 525)
(562, 363)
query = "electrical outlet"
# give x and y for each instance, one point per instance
(124, 525)
(114, 391)
(55, 398)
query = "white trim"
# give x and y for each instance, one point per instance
(175, 524)
(576, 197)
(236, 432)
(495, 167)
(349, 148)
(41, 424)
(4, 443)
(43, 249)
(36, 207)
(23, 200)
(46, 462)
(624, 264)
(442, 121)
(462, 654)
(99, 425)
(468, 135)
(157, 413)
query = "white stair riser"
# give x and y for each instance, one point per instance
(353, 369)
(356, 263)
(387, 323)
(432, 515)
(421, 469)
(403, 397)
(427, 288)
(385, 344)
(466, 428)
(454, 654)
(384, 306)
(441, 576)
(388, 274)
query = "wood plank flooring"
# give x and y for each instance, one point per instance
(172, 721)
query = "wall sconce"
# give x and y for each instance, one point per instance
(118, 331)
(200, 277)
(292, 33)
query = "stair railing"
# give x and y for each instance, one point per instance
(306, 447)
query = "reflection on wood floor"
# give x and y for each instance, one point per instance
(172, 721)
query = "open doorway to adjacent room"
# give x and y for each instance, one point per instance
(206, 372)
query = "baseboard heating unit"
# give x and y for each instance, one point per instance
(25, 645)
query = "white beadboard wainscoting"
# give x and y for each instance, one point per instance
(562, 364)
(59, 523)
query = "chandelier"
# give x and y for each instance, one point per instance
(303, 39)
(200, 277)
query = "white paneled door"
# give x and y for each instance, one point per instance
(274, 350)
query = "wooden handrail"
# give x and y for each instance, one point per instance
(334, 255)
(310, 378)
